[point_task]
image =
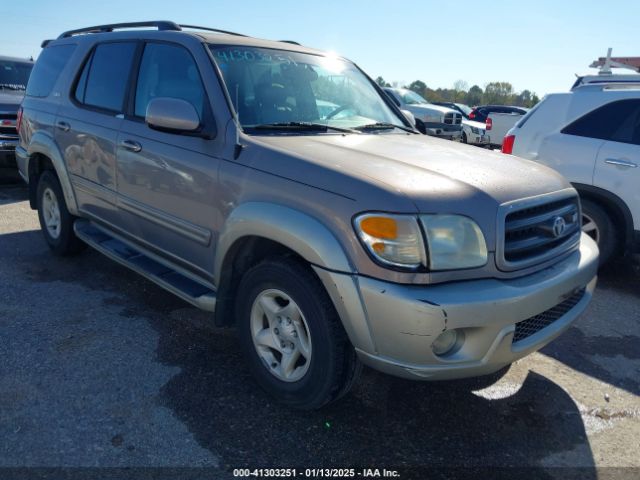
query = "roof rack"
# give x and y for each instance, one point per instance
(607, 63)
(293, 42)
(605, 78)
(159, 24)
(217, 30)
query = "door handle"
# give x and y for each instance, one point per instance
(620, 163)
(131, 145)
(64, 126)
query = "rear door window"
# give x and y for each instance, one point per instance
(105, 76)
(617, 121)
(47, 69)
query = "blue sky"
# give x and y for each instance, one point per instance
(538, 45)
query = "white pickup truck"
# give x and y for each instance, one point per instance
(498, 124)
(498, 120)
(430, 119)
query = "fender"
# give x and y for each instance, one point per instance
(43, 143)
(294, 229)
(611, 200)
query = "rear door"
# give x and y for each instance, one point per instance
(618, 161)
(87, 127)
(167, 182)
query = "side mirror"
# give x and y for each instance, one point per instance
(409, 116)
(172, 114)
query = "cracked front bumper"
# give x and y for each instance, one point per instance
(398, 323)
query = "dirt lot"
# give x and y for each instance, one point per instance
(100, 367)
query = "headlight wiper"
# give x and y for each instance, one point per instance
(384, 126)
(309, 126)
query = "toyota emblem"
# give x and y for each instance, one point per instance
(559, 226)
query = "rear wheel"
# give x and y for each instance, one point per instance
(55, 220)
(292, 336)
(597, 223)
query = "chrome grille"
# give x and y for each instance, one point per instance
(528, 327)
(536, 232)
(452, 118)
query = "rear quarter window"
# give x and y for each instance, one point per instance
(616, 121)
(47, 69)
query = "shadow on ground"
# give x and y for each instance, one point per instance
(384, 421)
(604, 342)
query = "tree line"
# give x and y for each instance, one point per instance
(494, 93)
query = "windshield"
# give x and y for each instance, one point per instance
(411, 98)
(465, 109)
(14, 75)
(277, 87)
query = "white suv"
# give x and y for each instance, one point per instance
(592, 136)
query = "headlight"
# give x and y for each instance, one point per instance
(392, 239)
(454, 242)
(477, 131)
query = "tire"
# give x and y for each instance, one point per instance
(326, 365)
(420, 126)
(597, 223)
(463, 139)
(55, 220)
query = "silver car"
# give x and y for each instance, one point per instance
(204, 161)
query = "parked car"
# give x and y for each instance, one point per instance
(481, 113)
(14, 74)
(592, 136)
(498, 124)
(473, 132)
(328, 242)
(430, 119)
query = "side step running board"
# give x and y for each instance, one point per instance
(193, 292)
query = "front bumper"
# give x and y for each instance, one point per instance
(443, 130)
(398, 323)
(7, 151)
(478, 139)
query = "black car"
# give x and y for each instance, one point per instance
(480, 114)
(14, 74)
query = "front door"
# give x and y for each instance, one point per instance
(167, 182)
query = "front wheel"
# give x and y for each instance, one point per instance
(55, 220)
(463, 138)
(292, 336)
(597, 223)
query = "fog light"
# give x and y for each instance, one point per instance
(445, 342)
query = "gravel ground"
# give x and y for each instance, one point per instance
(101, 368)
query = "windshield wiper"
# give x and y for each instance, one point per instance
(384, 126)
(309, 126)
(12, 86)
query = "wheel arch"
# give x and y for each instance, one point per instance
(258, 230)
(614, 205)
(44, 154)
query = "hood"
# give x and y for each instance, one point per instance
(429, 107)
(473, 123)
(10, 100)
(436, 176)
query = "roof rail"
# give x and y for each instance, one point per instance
(159, 24)
(217, 30)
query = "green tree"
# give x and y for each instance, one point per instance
(380, 81)
(474, 96)
(418, 86)
(497, 93)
